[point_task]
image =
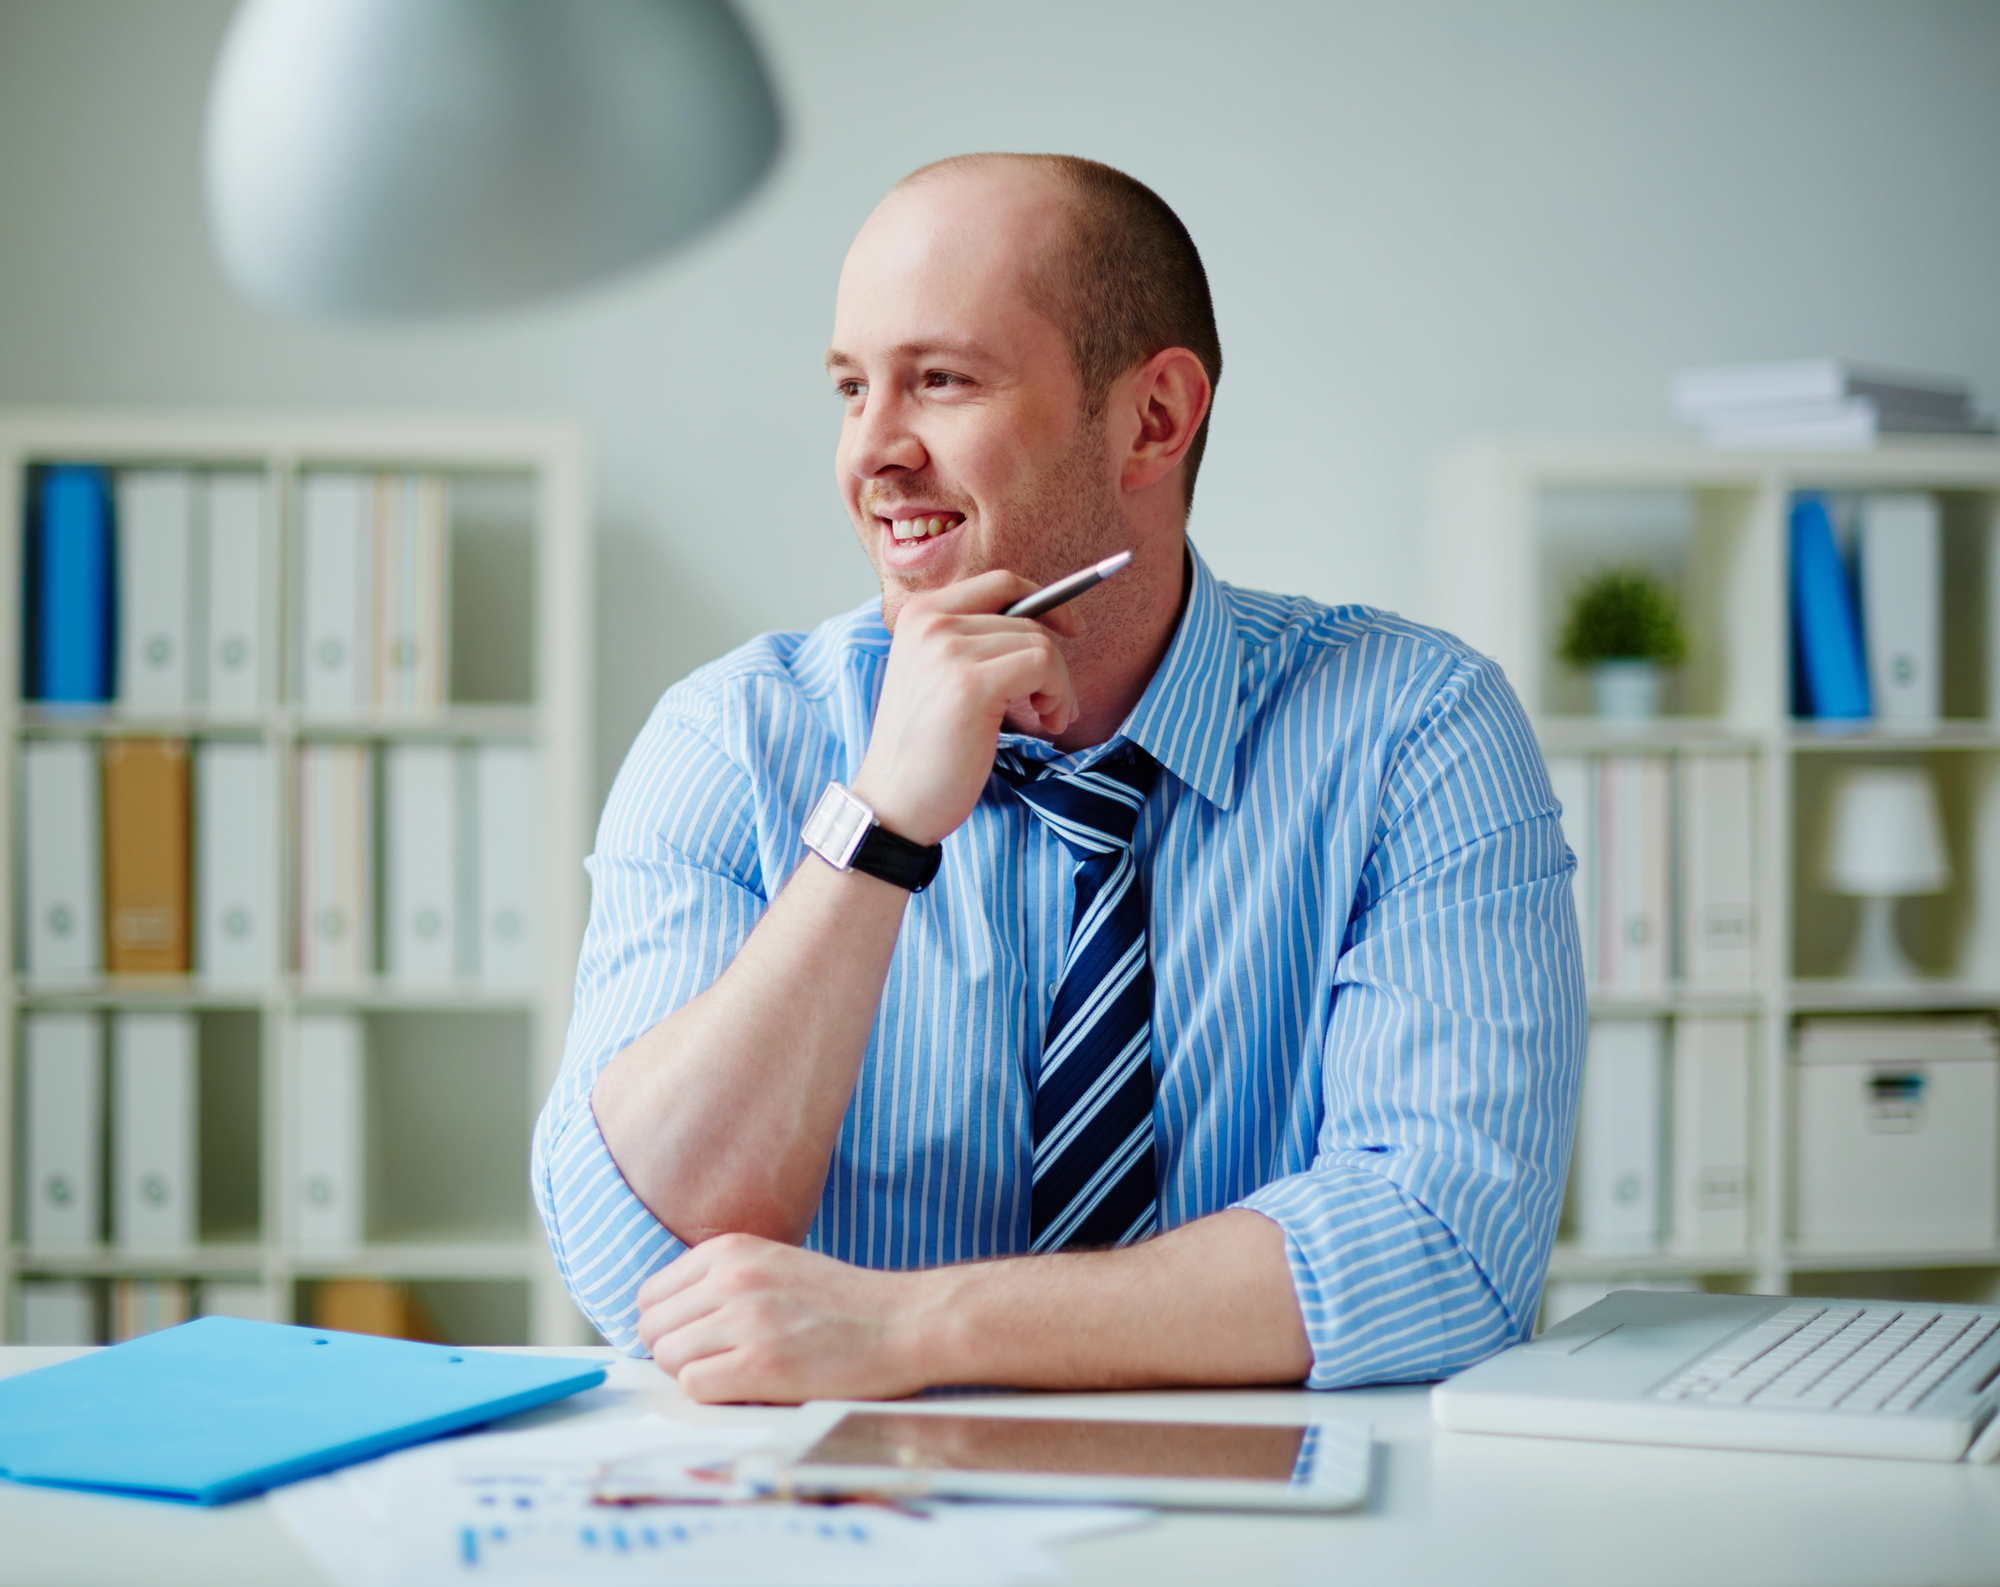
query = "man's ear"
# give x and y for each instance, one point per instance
(1168, 395)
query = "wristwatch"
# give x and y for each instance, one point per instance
(843, 831)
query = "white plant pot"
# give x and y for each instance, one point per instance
(1627, 691)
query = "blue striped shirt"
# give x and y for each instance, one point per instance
(1369, 1010)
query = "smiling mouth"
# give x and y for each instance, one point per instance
(922, 526)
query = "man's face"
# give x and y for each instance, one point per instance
(965, 444)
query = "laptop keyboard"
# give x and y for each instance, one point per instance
(1837, 1356)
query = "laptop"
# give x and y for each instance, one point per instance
(1904, 1379)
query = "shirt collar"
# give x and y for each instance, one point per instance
(1187, 719)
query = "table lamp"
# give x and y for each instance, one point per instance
(1885, 842)
(389, 158)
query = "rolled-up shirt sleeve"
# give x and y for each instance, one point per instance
(1419, 1233)
(676, 887)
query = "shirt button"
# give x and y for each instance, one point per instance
(1052, 991)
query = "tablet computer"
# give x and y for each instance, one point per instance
(1171, 1465)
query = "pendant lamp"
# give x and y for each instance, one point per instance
(396, 158)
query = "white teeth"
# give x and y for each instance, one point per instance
(919, 528)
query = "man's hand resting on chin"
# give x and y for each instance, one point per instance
(743, 1318)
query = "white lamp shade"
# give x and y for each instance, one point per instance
(380, 158)
(1885, 838)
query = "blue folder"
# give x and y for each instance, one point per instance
(1826, 627)
(220, 1408)
(70, 565)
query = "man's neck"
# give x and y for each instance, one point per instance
(1111, 678)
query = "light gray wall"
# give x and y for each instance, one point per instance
(1422, 221)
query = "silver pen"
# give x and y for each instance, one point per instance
(1050, 596)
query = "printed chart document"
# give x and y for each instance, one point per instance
(556, 1506)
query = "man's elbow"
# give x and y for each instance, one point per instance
(707, 1218)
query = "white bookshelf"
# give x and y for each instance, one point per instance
(460, 1069)
(1508, 531)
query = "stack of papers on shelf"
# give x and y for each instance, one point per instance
(1821, 404)
(649, 1500)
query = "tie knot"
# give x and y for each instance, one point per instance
(1094, 811)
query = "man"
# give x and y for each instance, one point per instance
(1237, 1038)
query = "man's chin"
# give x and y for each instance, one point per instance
(899, 584)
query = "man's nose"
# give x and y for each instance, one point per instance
(884, 439)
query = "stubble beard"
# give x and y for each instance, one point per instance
(1064, 519)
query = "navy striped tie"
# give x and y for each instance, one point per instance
(1094, 1176)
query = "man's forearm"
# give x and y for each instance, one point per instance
(723, 1116)
(1211, 1303)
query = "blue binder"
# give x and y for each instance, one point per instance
(220, 1408)
(70, 566)
(1826, 627)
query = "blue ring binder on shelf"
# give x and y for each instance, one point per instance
(1826, 626)
(70, 586)
(221, 1408)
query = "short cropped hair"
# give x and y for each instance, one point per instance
(1123, 283)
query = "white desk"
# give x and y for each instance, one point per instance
(1457, 1509)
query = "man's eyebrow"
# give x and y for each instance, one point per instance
(948, 347)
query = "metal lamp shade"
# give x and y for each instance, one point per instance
(1886, 839)
(385, 158)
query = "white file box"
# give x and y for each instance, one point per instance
(1898, 1135)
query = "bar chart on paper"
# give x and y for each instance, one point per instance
(647, 1499)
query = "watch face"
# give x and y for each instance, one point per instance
(837, 825)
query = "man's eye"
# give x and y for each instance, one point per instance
(848, 390)
(939, 378)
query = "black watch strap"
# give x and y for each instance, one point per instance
(892, 859)
(843, 831)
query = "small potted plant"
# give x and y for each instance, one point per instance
(1625, 628)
